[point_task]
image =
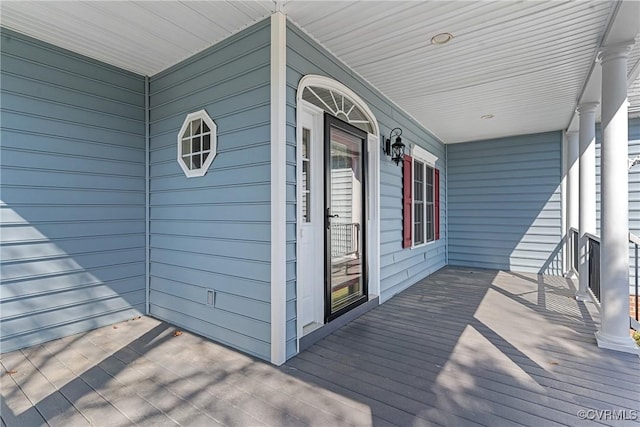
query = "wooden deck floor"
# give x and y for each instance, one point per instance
(462, 347)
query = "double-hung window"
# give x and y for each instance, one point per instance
(421, 198)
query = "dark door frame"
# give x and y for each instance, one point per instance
(334, 122)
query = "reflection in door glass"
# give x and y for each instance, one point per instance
(346, 211)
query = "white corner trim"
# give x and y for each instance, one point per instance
(422, 154)
(147, 195)
(278, 189)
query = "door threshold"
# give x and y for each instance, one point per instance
(307, 329)
(321, 331)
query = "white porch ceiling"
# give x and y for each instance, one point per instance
(523, 62)
(145, 37)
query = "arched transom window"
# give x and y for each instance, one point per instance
(338, 105)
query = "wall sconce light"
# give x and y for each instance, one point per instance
(395, 150)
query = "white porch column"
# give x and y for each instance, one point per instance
(278, 189)
(614, 184)
(572, 188)
(587, 174)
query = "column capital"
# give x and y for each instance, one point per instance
(587, 107)
(615, 51)
(572, 135)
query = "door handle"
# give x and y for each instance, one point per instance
(331, 216)
(328, 219)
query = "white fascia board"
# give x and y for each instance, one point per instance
(278, 189)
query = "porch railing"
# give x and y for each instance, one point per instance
(593, 250)
(593, 254)
(574, 250)
(345, 239)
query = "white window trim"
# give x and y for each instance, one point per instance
(201, 114)
(423, 156)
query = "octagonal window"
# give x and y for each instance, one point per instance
(196, 144)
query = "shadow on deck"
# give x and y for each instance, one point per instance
(462, 347)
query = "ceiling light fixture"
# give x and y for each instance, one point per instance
(487, 116)
(441, 38)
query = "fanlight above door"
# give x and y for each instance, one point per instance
(338, 105)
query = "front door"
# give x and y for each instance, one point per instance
(345, 205)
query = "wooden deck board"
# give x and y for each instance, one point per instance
(518, 346)
(401, 337)
(16, 409)
(462, 347)
(490, 390)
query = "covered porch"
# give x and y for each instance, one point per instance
(505, 99)
(461, 347)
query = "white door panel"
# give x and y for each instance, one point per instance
(310, 217)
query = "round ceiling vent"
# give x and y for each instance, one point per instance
(441, 38)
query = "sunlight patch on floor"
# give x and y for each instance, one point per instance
(475, 353)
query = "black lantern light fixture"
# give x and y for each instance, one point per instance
(395, 150)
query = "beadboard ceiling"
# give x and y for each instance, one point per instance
(524, 63)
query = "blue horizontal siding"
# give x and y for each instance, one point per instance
(22, 159)
(213, 232)
(73, 203)
(400, 268)
(117, 151)
(230, 282)
(194, 318)
(58, 265)
(50, 315)
(34, 52)
(505, 204)
(50, 284)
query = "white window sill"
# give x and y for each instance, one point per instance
(422, 245)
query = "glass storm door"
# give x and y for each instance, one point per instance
(345, 257)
